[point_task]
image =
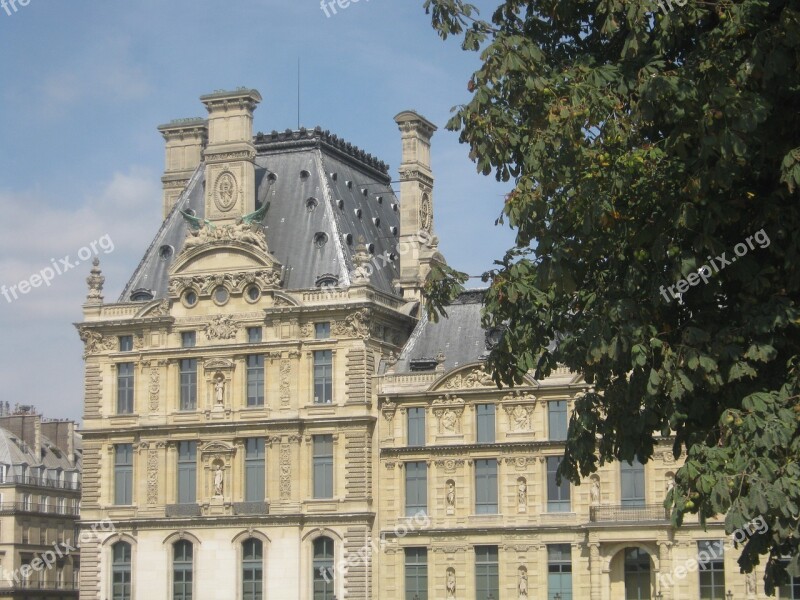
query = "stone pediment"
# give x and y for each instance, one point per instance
(217, 447)
(218, 364)
(469, 377)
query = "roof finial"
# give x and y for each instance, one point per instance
(95, 282)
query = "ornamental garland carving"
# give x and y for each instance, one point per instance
(285, 381)
(448, 410)
(285, 472)
(155, 387)
(306, 330)
(215, 234)
(449, 464)
(152, 476)
(234, 282)
(221, 327)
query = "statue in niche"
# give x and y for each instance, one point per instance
(451, 584)
(219, 481)
(670, 482)
(219, 389)
(750, 580)
(594, 492)
(451, 494)
(522, 492)
(522, 585)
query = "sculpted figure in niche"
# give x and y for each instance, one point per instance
(522, 492)
(219, 481)
(522, 586)
(595, 491)
(451, 584)
(219, 389)
(451, 494)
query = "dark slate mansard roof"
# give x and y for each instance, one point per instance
(459, 336)
(293, 170)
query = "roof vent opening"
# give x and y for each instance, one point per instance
(395, 208)
(304, 175)
(311, 204)
(272, 178)
(358, 212)
(349, 185)
(365, 191)
(392, 256)
(371, 248)
(422, 364)
(165, 252)
(379, 199)
(393, 230)
(340, 204)
(376, 221)
(334, 176)
(191, 212)
(141, 295)
(320, 239)
(348, 239)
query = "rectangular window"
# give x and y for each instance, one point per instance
(255, 380)
(416, 426)
(323, 377)
(254, 334)
(126, 343)
(416, 488)
(416, 574)
(558, 496)
(559, 571)
(125, 388)
(254, 470)
(791, 590)
(123, 474)
(710, 557)
(323, 466)
(485, 423)
(487, 572)
(188, 373)
(322, 331)
(486, 486)
(557, 420)
(187, 472)
(632, 482)
(188, 339)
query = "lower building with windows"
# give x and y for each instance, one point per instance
(40, 482)
(470, 507)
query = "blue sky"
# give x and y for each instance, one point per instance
(83, 85)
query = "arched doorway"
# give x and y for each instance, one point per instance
(637, 574)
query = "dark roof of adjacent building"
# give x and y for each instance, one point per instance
(459, 337)
(324, 195)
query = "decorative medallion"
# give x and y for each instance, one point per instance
(221, 328)
(426, 213)
(226, 191)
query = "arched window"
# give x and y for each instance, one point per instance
(323, 569)
(637, 574)
(182, 570)
(252, 570)
(121, 571)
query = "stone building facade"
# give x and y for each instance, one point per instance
(268, 413)
(40, 482)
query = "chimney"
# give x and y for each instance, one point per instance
(416, 203)
(230, 155)
(185, 140)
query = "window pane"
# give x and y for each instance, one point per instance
(557, 420)
(486, 486)
(254, 465)
(487, 579)
(416, 488)
(323, 573)
(710, 557)
(486, 425)
(123, 474)
(254, 334)
(416, 574)
(124, 388)
(322, 331)
(187, 472)
(255, 380)
(252, 570)
(188, 375)
(632, 482)
(559, 571)
(558, 496)
(126, 343)
(416, 426)
(323, 377)
(182, 575)
(121, 571)
(188, 339)
(637, 574)
(323, 466)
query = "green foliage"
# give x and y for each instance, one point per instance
(640, 143)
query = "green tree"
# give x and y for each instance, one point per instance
(643, 143)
